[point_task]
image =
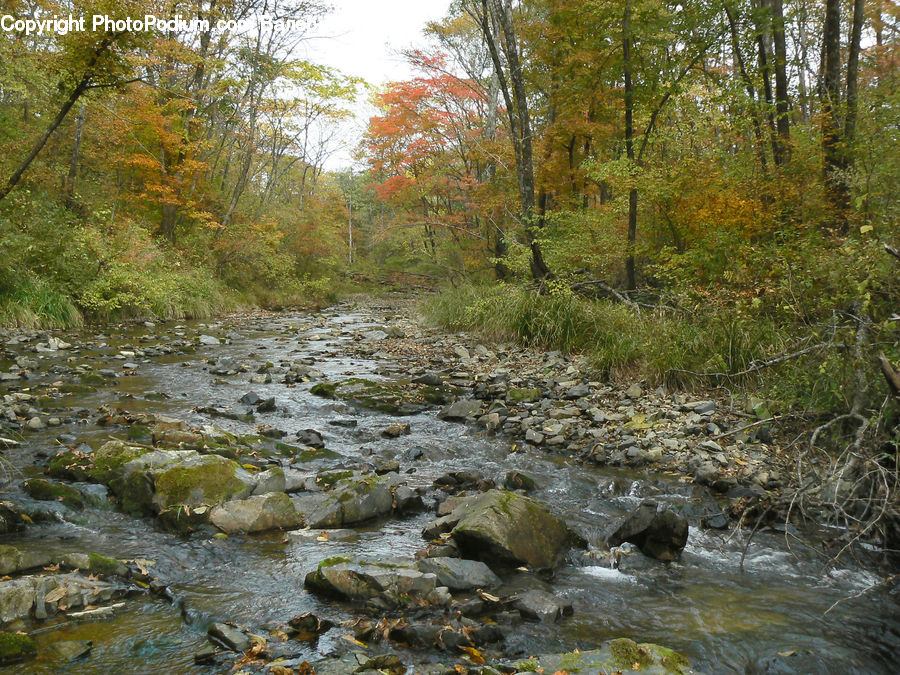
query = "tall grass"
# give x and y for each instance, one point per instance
(677, 350)
(33, 303)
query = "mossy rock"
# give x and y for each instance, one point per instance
(110, 458)
(329, 478)
(46, 490)
(15, 647)
(387, 397)
(93, 379)
(96, 564)
(507, 530)
(140, 433)
(70, 465)
(210, 481)
(73, 388)
(617, 656)
(523, 395)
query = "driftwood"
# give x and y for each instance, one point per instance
(891, 375)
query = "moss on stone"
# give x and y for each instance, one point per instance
(627, 653)
(70, 465)
(45, 490)
(206, 483)
(334, 560)
(329, 478)
(523, 395)
(15, 647)
(109, 459)
(101, 564)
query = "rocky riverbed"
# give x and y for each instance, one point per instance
(349, 491)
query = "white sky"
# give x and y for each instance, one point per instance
(363, 38)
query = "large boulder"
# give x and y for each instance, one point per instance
(177, 478)
(271, 511)
(387, 584)
(506, 529)
(351, 500)
(655, 529)
(42, 596)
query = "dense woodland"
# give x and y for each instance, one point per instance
(700, 193)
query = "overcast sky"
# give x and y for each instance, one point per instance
(364, 38)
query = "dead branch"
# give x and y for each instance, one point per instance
(893, 251)
(891, 375)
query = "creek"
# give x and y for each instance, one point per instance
(723, 615)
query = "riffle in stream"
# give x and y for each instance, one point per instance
(724, 616)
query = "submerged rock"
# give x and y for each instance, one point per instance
(616, 656)
(15, 647)
(386, 397)
(658, 531)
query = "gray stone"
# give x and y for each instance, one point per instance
(505, 528)
(208, 340)
(460, 410)
(655, 529)
(538, 605)
(460, 575)
(229, 637)
(634, 391)
(256, 514)
(35, 424)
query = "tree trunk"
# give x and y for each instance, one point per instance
(852, 70)
(631, 280)
(69, 190)
(765, 69)
(748, 85)
(520, 122)
(82, 86)
(782, 103)
(832, 134)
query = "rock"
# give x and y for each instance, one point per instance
(578, 391)
(392, 584)
(95, 564)
(13, 560)
(387, 397)
(351, 501)
(311, 438)
(460, 410)
(634, 391)
(537, 605)
(522, 395)
(308, 626)
(15, 647)
(271, 511)
(35, 424)
(209, 340)
(504, 528)
(534, 437)
(251, 398)
(700, 407)
(267, 405)
(229, 637)
(616, 656)
(396, 430)
(655, 529)
(516, 480)
(69, 650)
(407, 500)
(168, 480)
(460, 575)
(461, 352)
(41, 596)
(46, 490)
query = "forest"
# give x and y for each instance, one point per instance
(699, 196)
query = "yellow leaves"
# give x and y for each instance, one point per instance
(865, 229)
(474, 655)
(353, 640)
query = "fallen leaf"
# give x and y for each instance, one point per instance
(57, 594)
(474, 654)
(350, 638)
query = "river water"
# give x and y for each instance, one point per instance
(724, 618)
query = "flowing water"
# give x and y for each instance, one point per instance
(719, 615)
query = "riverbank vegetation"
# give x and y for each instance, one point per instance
(697, 194)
